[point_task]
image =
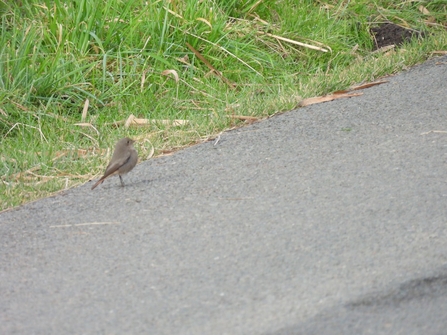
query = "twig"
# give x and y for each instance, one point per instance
(294, 42)
(326, 98)
(85, 110)
(435, 131)
(208, 64)
(83, 224)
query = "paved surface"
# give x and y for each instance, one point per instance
(331, 219)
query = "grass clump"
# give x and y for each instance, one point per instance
(70, 72)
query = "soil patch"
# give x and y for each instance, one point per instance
(390, 33)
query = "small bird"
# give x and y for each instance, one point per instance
(123, 160)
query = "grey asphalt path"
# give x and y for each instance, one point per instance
(330, 219)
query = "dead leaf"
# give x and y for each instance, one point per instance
(326, 98)
(184, 60)
(174, 74)
(129, 121)
(152, 150)
(243, 118)
(367, 85)
(424, 10)
(341, 92)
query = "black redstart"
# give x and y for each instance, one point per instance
(123, 160)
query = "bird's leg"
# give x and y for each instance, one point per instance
(121, 179)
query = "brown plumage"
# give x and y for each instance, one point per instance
(123, 160)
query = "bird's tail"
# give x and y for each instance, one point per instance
(98, 182)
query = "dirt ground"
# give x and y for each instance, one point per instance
(389, 34)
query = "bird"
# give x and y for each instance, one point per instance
(123, 160)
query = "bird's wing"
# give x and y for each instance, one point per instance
(112, 168)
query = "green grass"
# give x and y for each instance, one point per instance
(55, 54)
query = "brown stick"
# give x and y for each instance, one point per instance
(208, 64)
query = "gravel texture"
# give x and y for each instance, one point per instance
(329, 219)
